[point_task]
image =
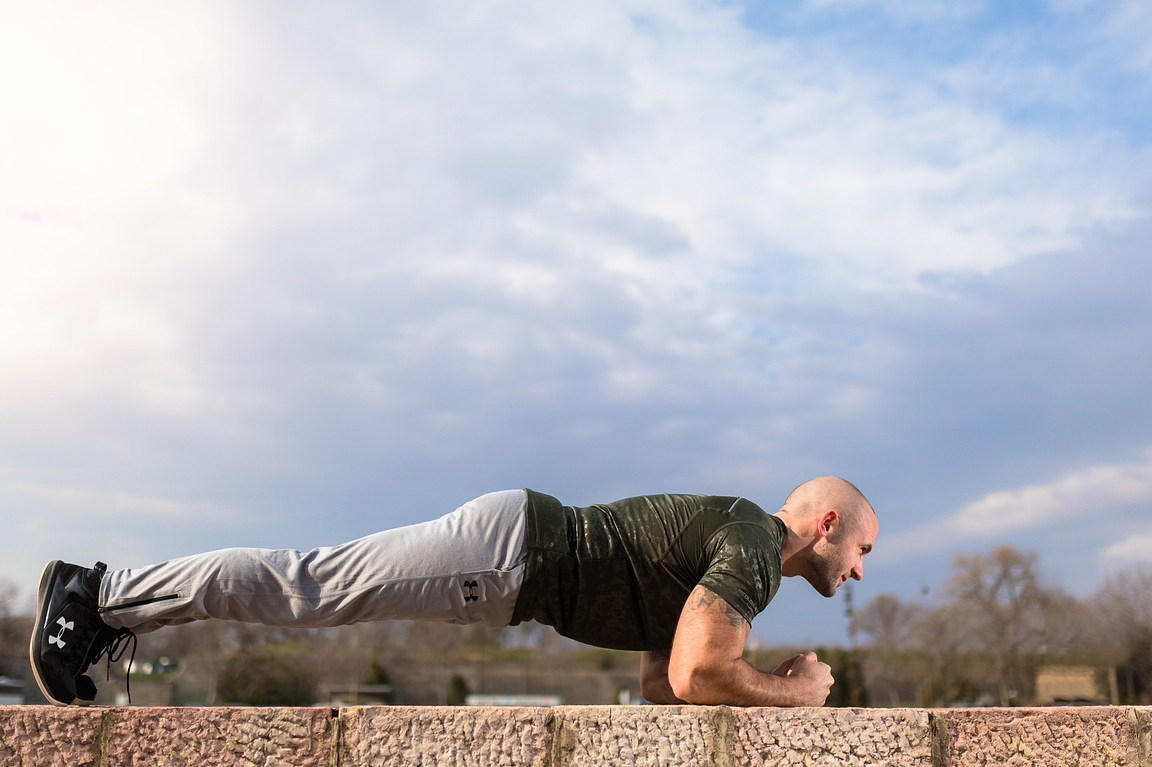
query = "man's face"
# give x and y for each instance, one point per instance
(840, 555)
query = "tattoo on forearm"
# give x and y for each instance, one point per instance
(708, 598)
(660, 654)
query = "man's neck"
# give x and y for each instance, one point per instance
(791, 553)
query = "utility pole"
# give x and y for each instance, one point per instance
(850, 614)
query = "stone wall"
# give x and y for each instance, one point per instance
(42, 736)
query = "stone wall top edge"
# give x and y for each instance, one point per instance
(571, 708)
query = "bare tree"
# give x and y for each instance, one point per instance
(941, 633)
(1008, 610)
(892, 667)
(1122, 612)
(887, 621)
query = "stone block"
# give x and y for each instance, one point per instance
(444, 735)
(237, 737)
(44, 736)
(644, 736)
(830, 737)
(1101, 736)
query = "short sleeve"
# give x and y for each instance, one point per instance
(743, 567)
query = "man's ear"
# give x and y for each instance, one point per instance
(827, 523)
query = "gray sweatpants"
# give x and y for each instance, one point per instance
(465, 567)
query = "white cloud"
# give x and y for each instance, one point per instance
(1087, 491)
(875, 179)
(199, 199)
(180, 182)
(1137, 547)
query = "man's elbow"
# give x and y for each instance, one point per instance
(698, 685)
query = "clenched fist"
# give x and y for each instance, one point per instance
(813, 678)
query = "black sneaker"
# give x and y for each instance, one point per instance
(69, 635)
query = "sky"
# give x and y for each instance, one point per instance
(284, 275)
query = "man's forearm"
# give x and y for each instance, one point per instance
(661, 694)
(738, 683)
(654, 685)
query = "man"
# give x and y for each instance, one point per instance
(678, 577)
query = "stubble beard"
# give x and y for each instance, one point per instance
(826, 572)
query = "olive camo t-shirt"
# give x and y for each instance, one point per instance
(617, 575)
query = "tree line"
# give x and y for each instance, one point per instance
(997, 624)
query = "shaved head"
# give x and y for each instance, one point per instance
(818, 495)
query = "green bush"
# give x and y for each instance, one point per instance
(457, 690)
(267, 675)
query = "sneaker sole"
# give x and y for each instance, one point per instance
(46, 577)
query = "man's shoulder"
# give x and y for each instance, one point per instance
(731, 504)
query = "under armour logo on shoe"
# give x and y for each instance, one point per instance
(470, 589)
(58, 638)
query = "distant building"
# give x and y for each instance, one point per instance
(358, 694)
(513, 700)
(1069, 685)
(11, 691)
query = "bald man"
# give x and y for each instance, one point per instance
(678, 577)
